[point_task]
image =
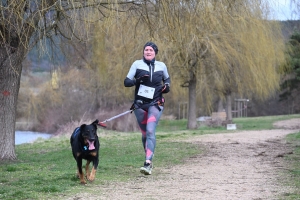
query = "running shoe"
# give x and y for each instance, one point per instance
(146, 169)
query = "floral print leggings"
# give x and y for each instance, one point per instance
(148, 120)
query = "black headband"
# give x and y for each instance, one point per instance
(151, 44)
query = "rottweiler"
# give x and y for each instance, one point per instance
(85, 145)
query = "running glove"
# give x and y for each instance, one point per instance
(166, 88)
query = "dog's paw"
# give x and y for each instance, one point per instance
(92, 175)
(91, 178)
(83, 182)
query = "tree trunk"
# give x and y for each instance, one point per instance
(10, 76)
(228, 107)
(220, 105)
(192, 110)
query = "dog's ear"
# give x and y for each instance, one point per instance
(96, 122)
(82, 126)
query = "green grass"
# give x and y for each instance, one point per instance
(171, 125)
(46, 169)
(294, 168)
(260, 123)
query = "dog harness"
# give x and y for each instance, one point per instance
(77, 130)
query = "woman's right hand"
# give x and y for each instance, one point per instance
(143, 79)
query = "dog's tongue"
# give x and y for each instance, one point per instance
(91, 145)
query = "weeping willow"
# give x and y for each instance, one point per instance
(229, 47)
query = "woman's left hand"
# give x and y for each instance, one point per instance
(165, 88)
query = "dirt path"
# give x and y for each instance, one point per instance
(245, 165)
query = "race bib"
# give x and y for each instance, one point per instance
(146, 91)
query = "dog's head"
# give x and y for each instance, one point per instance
(89, 134)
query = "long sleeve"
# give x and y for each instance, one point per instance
(167, 81)
(128, 82)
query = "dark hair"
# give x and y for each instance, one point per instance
(151, 44)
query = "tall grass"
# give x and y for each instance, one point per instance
(46, 169)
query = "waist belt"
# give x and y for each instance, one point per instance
(146, 104)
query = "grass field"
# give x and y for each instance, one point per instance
(46, 169)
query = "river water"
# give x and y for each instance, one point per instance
(28, 136)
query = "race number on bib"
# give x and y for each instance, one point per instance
(146, 91)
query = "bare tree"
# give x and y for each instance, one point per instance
(23, 25)
(295, 4)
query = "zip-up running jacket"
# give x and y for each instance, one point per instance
(158, 78)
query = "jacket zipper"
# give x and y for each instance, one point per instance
(151, 71)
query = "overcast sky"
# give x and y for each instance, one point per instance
(282, 10)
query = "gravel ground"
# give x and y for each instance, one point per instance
(245, 165)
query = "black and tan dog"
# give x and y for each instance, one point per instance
(85, 145)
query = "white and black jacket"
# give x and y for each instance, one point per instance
(152, 74)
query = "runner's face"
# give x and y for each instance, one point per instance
(149, 53)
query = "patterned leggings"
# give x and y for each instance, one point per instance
(148, 120)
